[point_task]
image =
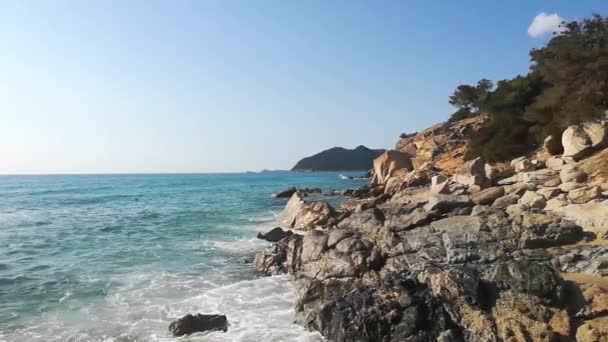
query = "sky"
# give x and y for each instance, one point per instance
(229, 86)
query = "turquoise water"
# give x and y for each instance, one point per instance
(118, 257)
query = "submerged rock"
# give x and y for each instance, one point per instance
(190, 324)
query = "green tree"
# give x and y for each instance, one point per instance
(574, 65)
(468, 98)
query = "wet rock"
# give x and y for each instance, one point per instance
(190, 324)
(275, 234)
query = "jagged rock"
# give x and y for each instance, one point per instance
(585, 194)
(575, 141)
(445, 203)
(553, 145)
(487, 196)
(398, 309)
(305, 216)
(570, 173)
(505, 201)
(275, 234)
(281, 257)
(472, 172)
(190, 324)
(440, 185)
(388, 163)
(532, 200)
(540, 230)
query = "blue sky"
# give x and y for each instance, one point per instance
(212, 86)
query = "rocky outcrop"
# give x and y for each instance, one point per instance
(339, 159)
(468, 254)
(190, 324)
(442, 146)
(305, 216)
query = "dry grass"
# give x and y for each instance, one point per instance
(585, 279)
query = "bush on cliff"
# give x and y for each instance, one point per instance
(567, 84)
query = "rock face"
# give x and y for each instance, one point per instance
(339, 159)
(389, 163)
(461, 258)
(190, 324)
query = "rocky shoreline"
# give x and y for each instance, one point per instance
(437, 248)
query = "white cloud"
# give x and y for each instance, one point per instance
(544, 24)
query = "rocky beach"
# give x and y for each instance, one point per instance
(440, 248)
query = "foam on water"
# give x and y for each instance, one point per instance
(257, 310)
(117, 258)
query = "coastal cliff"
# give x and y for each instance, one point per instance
(339, 159)
(440, 248)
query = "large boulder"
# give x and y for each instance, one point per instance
(190, 324)
(575, 141)
(305, 216)
(580, 140)
(388, 163)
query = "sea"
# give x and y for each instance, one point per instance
(119, 257)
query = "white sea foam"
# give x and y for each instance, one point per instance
(141, 310)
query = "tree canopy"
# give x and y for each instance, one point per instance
(567, 84)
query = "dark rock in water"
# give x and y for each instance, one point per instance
(287, 193)
(190, 324)
(275, 234)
